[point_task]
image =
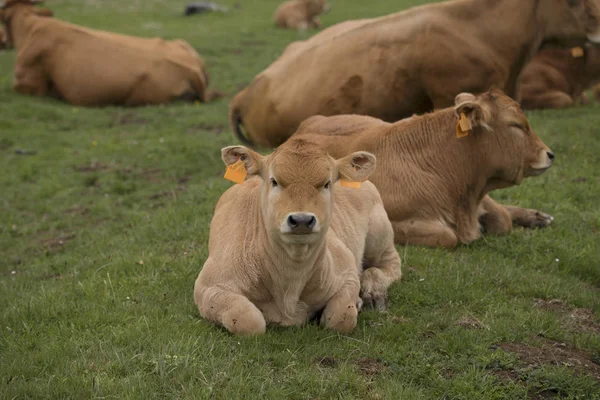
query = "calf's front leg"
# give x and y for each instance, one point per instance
(496, 218)
(340, 313)
(232, 310)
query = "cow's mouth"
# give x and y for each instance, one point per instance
(537, 171)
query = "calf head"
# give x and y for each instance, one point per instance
(10, 7)
(571, 18)
(316, 7)
(502, 138)
(297, 188)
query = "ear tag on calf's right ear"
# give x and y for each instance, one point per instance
(463, 127)
(349, 183)
(236, 172)
(577, 52)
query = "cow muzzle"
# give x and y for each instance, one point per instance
(546, 159)
(300, 223)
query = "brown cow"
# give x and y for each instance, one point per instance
(434, 174)
(300, 14)
(93, 68)
(405, 63)
(290, 242)
(3, 39)
(558, 77)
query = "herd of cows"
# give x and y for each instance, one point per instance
(390, 129)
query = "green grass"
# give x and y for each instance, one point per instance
(104, 230)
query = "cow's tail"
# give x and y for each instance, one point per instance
(235, 119)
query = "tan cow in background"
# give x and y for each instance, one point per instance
(434, 174)
(87, 67)
(401, 64)
(290, 242)
(558, 77)
(300, 14)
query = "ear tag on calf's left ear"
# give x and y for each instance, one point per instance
(463, 127)
(349, 183)
(577, 52)
(236, 172)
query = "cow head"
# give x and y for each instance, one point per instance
(297, 189)
(317, 7)
(502, 137)
(571, 18)
(8, 9)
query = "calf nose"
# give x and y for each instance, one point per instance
(301, 223)
(550, 155)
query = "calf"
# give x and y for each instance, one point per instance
(437, 169)
(291, 241)
(558, 77)
(87, 67)
(300, 14)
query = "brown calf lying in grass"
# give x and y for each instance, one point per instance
(436, 170)
(300, 14)
(558, 78)
(291, 242)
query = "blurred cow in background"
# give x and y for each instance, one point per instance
(300, 14)
(410, 62)
(87, 67)
(558, 77)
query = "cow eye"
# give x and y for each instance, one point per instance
(274, 183)
(327, 185)
(518, 126)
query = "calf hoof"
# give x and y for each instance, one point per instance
(373, 291)
(242, 321)
(536, 219)
(343, 320)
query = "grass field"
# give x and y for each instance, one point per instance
(104, 229)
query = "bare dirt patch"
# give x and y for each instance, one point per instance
(470, 322)
(370, 367)
(579, 319)
(128, 118)
(551, 352)
(57, 243)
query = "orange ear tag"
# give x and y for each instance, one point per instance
(236, 172)
(463, 127)
(349, 183)
(577, 52)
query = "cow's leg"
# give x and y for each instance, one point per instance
(426, 233)
(341, 313)
(381, 261)
(496, 218)
(315, 22)
(232, 310)
(30, 81)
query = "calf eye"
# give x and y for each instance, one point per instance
(327, 185)
(274, 183)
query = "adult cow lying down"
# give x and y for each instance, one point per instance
(290, 242)
(405, 63)
(558, 77)
(87, 67)
(435, 173)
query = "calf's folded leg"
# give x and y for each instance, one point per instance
(496, 218)
(232, 310)
(340, 313)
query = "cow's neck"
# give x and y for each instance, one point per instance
(20, 25)
(515, 42)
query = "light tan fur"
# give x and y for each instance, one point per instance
(434, 185)
(300, 14)
(405, 63)
(259, 271)
(558, 78)
(87, 67)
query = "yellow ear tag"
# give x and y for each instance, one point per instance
(463, 127)
(236, 172)
(577, 52)
(349, 183)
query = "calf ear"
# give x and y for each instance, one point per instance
(251, 159)
(474, 109)
(356, 167)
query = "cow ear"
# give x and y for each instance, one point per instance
(474, 110)
(251, 159)
(356, 167)
(44, 12)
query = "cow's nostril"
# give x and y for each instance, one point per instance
(550, 155)
(312, 222)
(292, 222)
